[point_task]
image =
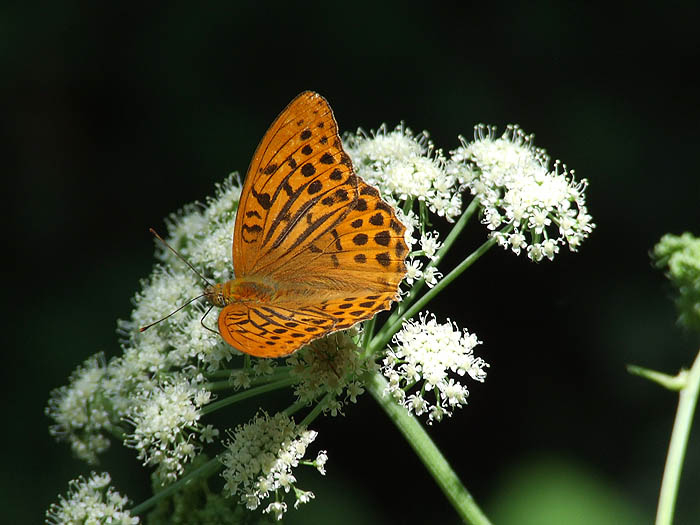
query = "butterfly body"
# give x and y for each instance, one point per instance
(315, 248)
(241, 290)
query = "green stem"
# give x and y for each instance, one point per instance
(316, 411)
(294, 408)
(390, 328)
(206, 470)
(213, 386)
(251, 392)
(428, 453)
(224, 373)
(688, 399)
(368, 332)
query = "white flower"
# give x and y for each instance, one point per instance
(412, 224)
(240, 379)
(353, 390)
(526, 205)
(405, 167)
(202, 233)
(434, 353)
(276, 509)
(264, 366)
(430, 244)
(413, 271)
(208, 433)
(165, 420)
(168, 354)
(90, 501)
(320, 462)
(303, 496)
(431, 275)
(79, 412)
(259, 460)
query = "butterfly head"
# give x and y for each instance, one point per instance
(216, 295)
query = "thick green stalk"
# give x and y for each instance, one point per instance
(428, 453)
(688, 399)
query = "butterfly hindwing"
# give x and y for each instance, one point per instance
(265, 330)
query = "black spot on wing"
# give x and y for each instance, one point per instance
(382, 238)
(307, 170)
(383, 259)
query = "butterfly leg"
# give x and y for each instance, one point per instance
(205, 326)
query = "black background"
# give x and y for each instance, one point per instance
(114, 115)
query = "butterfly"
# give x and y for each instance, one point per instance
(315, 248)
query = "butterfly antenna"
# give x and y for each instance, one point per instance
(144, 328)
(155, 234)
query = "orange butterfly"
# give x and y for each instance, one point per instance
(315, 248)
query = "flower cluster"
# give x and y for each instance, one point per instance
(424, 355)
(259, 459)
(79, 413)
(405, 167)
(153, 383)
(91, 501)
(166, 428)
(527, 206)
(202, 234)
(330, 365)
(681, 255)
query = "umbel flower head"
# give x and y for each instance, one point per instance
(259, 460)
(330, 365)
(527, 206)
(426, 364)
(166, 429)
(91, 501)
(680, 255)
(79, 414)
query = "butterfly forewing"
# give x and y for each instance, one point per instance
(299, 184)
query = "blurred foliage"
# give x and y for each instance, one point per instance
(552, 491)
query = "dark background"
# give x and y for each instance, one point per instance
(112, 117)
